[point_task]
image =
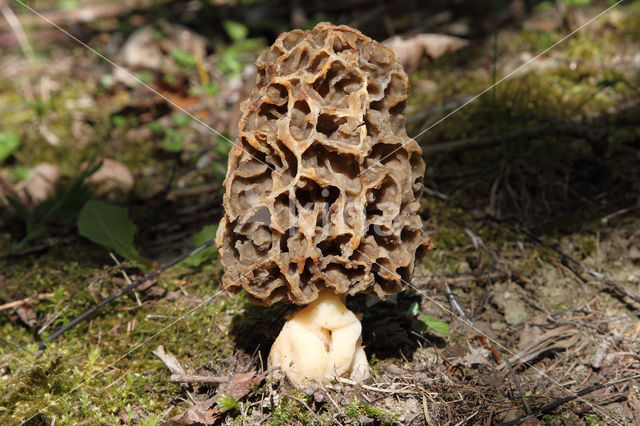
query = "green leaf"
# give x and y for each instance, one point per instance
(67, 4)
(19, 173)
(223, 146)
(183, 58)
(235, 30)
(210, 89)
(180, 119)
(145, 76)
(173, 141)
(156, 128)
(9, 142)
(227, 403)
(206, 234)
(110, 227)
(435, 324)
(106, 80)
(219, 170)
(119, 120)
(62, 208)
(577, 2)
(230, 65)
(414, 309)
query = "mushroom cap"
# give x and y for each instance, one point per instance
(323, 183)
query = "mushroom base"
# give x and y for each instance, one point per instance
(321, 342)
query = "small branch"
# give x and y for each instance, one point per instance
(18, 31)
(456, 306)
(122, 292)
(15, 345)
(26, 300)
(557, 403)
(197, 378)
(315, 416)
(518, 388)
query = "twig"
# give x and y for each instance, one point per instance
(126, 277)
(619, 288)
(456, 306)
(561, 401)
(18, 31)
(605, 220)
(465, 421)
(121, 292)
(21, 302)
(425, 411)
(51, 320)
(518, 388)
(374, 389)
(15, 345)
(197, 378)
(315, 416)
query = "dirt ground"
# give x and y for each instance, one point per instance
(532, 195)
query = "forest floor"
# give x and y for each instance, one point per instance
(526, 310)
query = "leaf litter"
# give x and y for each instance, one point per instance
(561, 320)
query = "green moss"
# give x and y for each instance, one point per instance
(84, 374)
(628, 22)
(290, 410)
(356, 410)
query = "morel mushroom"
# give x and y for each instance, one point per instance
(322, 194)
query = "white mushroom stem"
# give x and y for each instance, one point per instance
(321, 342)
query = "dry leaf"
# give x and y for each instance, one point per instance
(169, 360)
(27, 315)
(206, 412)
(410, 50)
(143, 50)
(195, 415)
(477, 355)
(40, 184)
(558, 339)
(239, 385)
(113, 175)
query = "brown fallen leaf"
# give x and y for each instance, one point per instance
(558, 339)
(207, 412)
(40, 184)
(196, 414)
(112, 176)
(27, 315)
(476, 356)
(169, 360)
(143, 50)
(410, 50)
(240, 384)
